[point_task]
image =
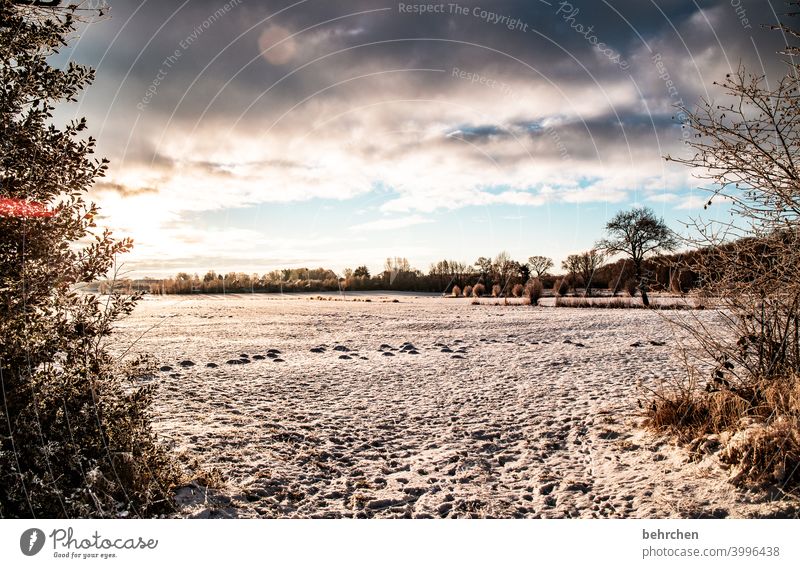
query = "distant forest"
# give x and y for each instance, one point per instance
(500, 276)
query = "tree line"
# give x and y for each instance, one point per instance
(637, 234)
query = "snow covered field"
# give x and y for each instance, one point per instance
(405, 406)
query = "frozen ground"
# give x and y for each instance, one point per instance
(498, 411)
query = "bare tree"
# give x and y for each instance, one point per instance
(540, 265)
(583, 266)
(504, 268)
(638, 233)
(572, 264)
(590, 261)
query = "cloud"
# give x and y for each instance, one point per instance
(664, 198)
(277, 45)
(334, 102)
(391, 224)
(123, 190)
(693, 202)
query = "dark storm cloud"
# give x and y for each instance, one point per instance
(373, 38)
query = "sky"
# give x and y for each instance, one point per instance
(253, 135)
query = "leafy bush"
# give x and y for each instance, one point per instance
(75, 435)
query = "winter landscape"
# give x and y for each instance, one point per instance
(359, 259)
(405, 406)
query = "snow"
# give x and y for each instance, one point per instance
(502, 411)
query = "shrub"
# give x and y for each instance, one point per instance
(517, 290)
(496, 290)
(75, 435)
(456, 292)
(533, 291)
(467, 291)
(561, 287)
(752, 272)
(479, 290)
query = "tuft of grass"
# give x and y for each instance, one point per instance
(766, 453)
(456, 292)
(479, 290)
(757, 425)
(516, 291)
(496, 291)
(467, 291)
(689, 414)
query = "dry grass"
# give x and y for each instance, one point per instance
(467, 291)
(479, 290)
(766, 453)
(456, 292)
(616, 303)
(757, 427)
(534, 291)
